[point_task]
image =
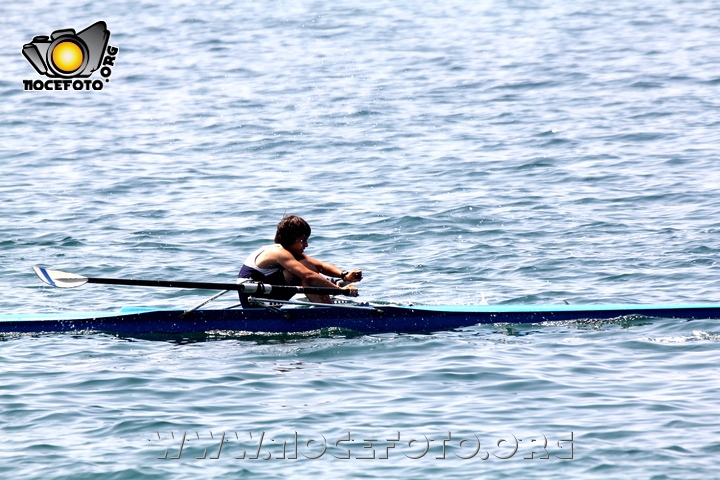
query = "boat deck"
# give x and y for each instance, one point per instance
(373, 319)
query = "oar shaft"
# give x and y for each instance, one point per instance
(166, 283)
(56, 278)
(250, 288)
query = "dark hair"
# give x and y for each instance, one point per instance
(290, 228)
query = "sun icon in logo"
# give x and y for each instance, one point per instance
(67, 56)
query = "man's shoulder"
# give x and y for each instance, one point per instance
(275, 251)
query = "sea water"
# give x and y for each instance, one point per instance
(523, 152)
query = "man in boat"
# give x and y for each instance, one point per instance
(285, 263)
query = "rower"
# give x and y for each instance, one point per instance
(285, 263)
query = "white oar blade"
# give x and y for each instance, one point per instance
(56, 278)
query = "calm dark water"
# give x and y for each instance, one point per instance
(523, 152)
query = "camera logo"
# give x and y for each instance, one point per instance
(67, 55)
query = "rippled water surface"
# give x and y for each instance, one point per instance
(522, 151)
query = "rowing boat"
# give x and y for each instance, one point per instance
(366, 319)
(261, 315)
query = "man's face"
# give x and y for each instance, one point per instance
(299, 246)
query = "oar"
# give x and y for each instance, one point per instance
(56, 278)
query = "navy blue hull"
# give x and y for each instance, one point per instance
(131, 321)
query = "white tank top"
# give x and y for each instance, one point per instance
(250, 261)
